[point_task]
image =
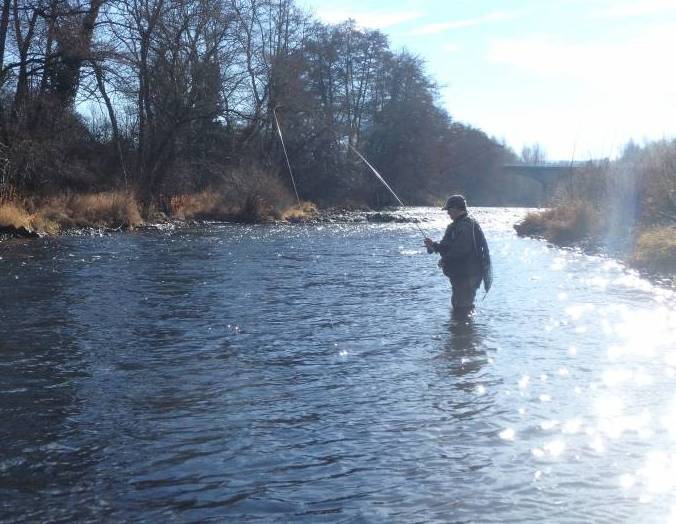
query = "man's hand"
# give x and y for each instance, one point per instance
(429, 244)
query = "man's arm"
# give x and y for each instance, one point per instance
(435, 247)
(457, 242)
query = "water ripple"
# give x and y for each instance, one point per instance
(314, 373)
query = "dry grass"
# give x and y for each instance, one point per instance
(257, 194)
(12, 214)
(306, 211)
(43, 224)
(564, 224)
(206, 204)
(243, 194)
(50, 215)
(655, 249)
(220, 205)
(252, 196)
(113, 209)
(258, 198)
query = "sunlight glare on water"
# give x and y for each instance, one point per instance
(304, 373)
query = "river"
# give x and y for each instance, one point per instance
(313, 373)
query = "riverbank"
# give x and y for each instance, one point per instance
(625, 207)
(649, 248)
(117, 210)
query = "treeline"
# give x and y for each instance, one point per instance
(168, 97)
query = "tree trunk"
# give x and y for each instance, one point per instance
(100, 82)
(4, 25)
(74, 50)
(23, 45)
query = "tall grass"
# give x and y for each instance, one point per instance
(51, 214)
(118, 210)
(655, 249)
(564, 224)
(215, 205)
(13, 215)
(245, 194)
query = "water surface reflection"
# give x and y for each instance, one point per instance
(314, 373)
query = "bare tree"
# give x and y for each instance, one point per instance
(534, 154)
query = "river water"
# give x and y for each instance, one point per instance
(313, 373)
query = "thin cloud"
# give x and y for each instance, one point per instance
(644, 8)
(371, 19)
(430, 29)
(620, 66)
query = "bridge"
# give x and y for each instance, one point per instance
(547, 175)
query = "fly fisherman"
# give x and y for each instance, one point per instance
(465, 258)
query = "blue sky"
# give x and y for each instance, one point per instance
(579, 77)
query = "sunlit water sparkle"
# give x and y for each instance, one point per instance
(313, 373)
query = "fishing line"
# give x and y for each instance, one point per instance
(288, 164)
(380, 177)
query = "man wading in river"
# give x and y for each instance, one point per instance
(465, 258)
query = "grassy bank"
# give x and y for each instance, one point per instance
(655, 250)
(567, 225)
(652, 248)
(627, 206)
(117, 210)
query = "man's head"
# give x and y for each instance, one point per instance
(455, 205)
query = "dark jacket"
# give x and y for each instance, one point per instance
(458, 249)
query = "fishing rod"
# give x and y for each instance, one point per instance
(379, 177)
(373, 169)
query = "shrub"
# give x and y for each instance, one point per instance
(255, 210)
(655, 249)
(565, 224)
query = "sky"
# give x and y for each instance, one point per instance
(580, 78)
